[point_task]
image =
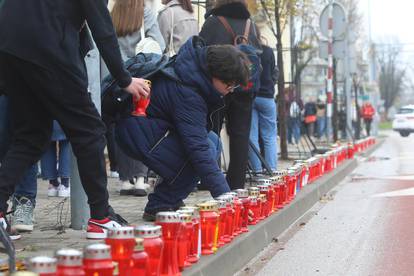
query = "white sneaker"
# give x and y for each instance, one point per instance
(141, 188)
(98, 229)
(52, 190)
(127, 188)
(63, 191)
(140, 184)
(114, 174)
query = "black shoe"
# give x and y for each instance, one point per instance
(201, 187)
(140, 192)
(116, 217)
(127, 192)
(179, 205)
(150, 215)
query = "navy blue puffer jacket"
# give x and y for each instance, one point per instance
(174, 133)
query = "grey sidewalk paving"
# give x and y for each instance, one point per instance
(52, 217)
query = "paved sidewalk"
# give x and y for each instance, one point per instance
(52, 216)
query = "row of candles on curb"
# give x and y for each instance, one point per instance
(178, 239)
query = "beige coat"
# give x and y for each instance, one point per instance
(173, 18)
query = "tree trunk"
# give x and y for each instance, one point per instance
(281, 85)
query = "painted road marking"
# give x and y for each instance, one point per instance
(403, 192)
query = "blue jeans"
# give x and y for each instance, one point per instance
(52, 168)
(28, 184)
(321, 126)
(167, 196)
(293, 129)
(264, 126)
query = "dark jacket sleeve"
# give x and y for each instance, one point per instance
(100, 23)
(190, 122)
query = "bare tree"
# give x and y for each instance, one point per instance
(391, 75)
(304, 38)
(278, 13)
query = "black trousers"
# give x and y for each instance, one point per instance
(112, 147)
(368, 126)
(38, 95)
(238, 114)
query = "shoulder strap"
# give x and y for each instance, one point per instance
(142, 29)
(171, 42)
(227, 26)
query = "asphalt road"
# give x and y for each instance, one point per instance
(363, 227)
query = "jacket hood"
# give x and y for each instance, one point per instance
(235, 10)
(191, 67)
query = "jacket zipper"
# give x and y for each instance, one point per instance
(186, 162)
(179, 172)
(159, 141)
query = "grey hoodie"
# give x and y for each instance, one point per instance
(128, 43)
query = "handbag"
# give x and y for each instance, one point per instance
(147, 44)
(310, 119)
(171, 51)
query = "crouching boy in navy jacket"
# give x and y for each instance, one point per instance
(174, 138)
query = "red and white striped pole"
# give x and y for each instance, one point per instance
(329, 90)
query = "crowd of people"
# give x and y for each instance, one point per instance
(310, 118)
(49, 110)
(224, 74)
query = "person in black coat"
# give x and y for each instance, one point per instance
(42, 47)
(238, 109)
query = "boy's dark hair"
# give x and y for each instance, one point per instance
(228, 64)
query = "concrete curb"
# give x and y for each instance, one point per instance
(229, 259)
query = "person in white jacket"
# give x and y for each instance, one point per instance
(177, 23)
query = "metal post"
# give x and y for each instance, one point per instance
(329, 90)
(348, 86)
(78, 200)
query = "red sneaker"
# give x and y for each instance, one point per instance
(13, 234)
(97, 229)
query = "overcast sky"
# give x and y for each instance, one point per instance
(390, 18)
